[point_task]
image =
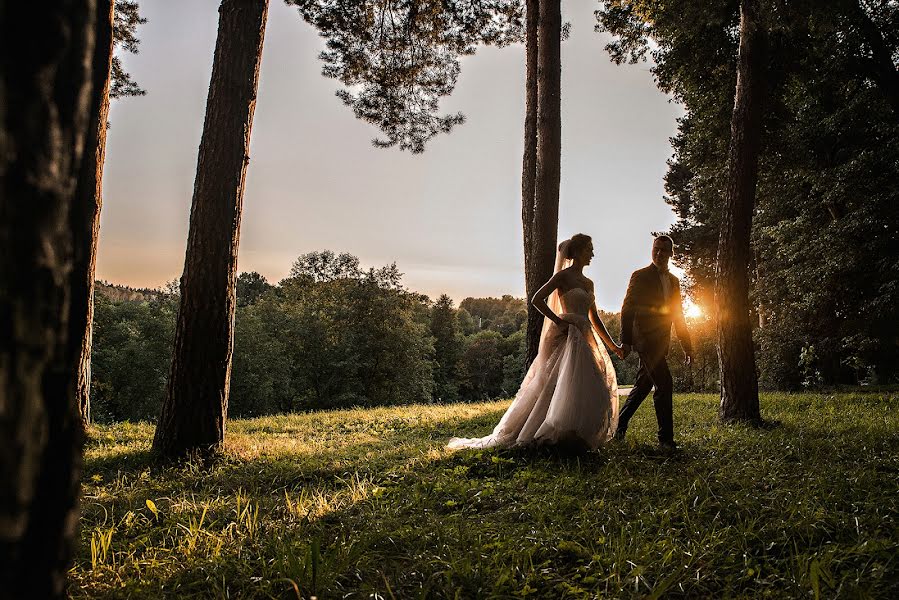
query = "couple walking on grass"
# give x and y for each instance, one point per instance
(570, 392)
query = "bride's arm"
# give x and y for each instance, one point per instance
(603, 332)
(539, 300)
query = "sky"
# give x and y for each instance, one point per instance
(450, 217)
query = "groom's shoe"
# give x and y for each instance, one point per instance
(669, 446)
(619, 435)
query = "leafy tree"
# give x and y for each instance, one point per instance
(250, 287)
(353, 340)
(47, 95)
(447, 349)
(261, 378)
(124, 33)
(398, 58)
(826, 224)
(481, 367)
(513, 362)
(131, 357)
(505, 315)
(467, 324)
(194, 412)
(325, 266)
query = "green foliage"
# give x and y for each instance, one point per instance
(331, 336)
(126, 19)
(251, 287)
(826, 228)
(368, 503)
(504, 315)
(130, 358)
(397, 59)
(447, 349)
(325, 266)
(481, 367)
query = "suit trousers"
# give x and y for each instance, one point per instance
(653, 371)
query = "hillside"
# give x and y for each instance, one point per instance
(368, 504)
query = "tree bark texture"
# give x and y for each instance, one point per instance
(85, 218)
(736, 354)
(529, 182)
(549, 142)
(194, 411)
(46, 66)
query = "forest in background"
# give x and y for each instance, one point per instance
(334, 335)
(824, 264)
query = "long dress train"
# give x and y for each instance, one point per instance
(570, 391)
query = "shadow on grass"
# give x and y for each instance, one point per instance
(794, 511)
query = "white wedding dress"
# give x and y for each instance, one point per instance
(570, 393)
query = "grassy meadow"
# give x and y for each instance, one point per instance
(368, 504)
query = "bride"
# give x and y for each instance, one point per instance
(570, 393)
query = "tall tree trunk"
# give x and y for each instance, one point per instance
(549, 139)
(85, 218)
(540, 208)
(46, 51)
(736, 354)
(194, 411)
(532, 272)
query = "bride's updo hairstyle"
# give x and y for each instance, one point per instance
(572, 247)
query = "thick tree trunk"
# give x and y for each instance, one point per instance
(45, 99)
(542, 155)
(85, 218)
(196, 403)
(532, 272)
(549, 142)
(736, 354)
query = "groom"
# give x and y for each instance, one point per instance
(651, 305)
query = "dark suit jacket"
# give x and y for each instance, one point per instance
(645, 316)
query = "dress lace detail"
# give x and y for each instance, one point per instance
(570, 391)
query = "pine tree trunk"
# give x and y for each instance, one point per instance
(549, 142)
(85, 219)
(532, 281)
(45, 100)
(736, 354)
(194, 411)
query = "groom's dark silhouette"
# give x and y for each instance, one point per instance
(651, 305)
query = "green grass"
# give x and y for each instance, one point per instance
(368, 504)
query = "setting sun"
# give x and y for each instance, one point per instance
(692, 310)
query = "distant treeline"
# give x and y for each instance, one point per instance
(330, 335)
(333, 335)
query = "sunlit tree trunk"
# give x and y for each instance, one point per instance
(45, 105)
(736, 354)
(86, 211)
(193, 413)
(541, 215)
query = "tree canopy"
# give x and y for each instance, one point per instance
(398, 58)
(826, 228)
(124, 33)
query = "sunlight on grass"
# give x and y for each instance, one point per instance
(360, 502)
